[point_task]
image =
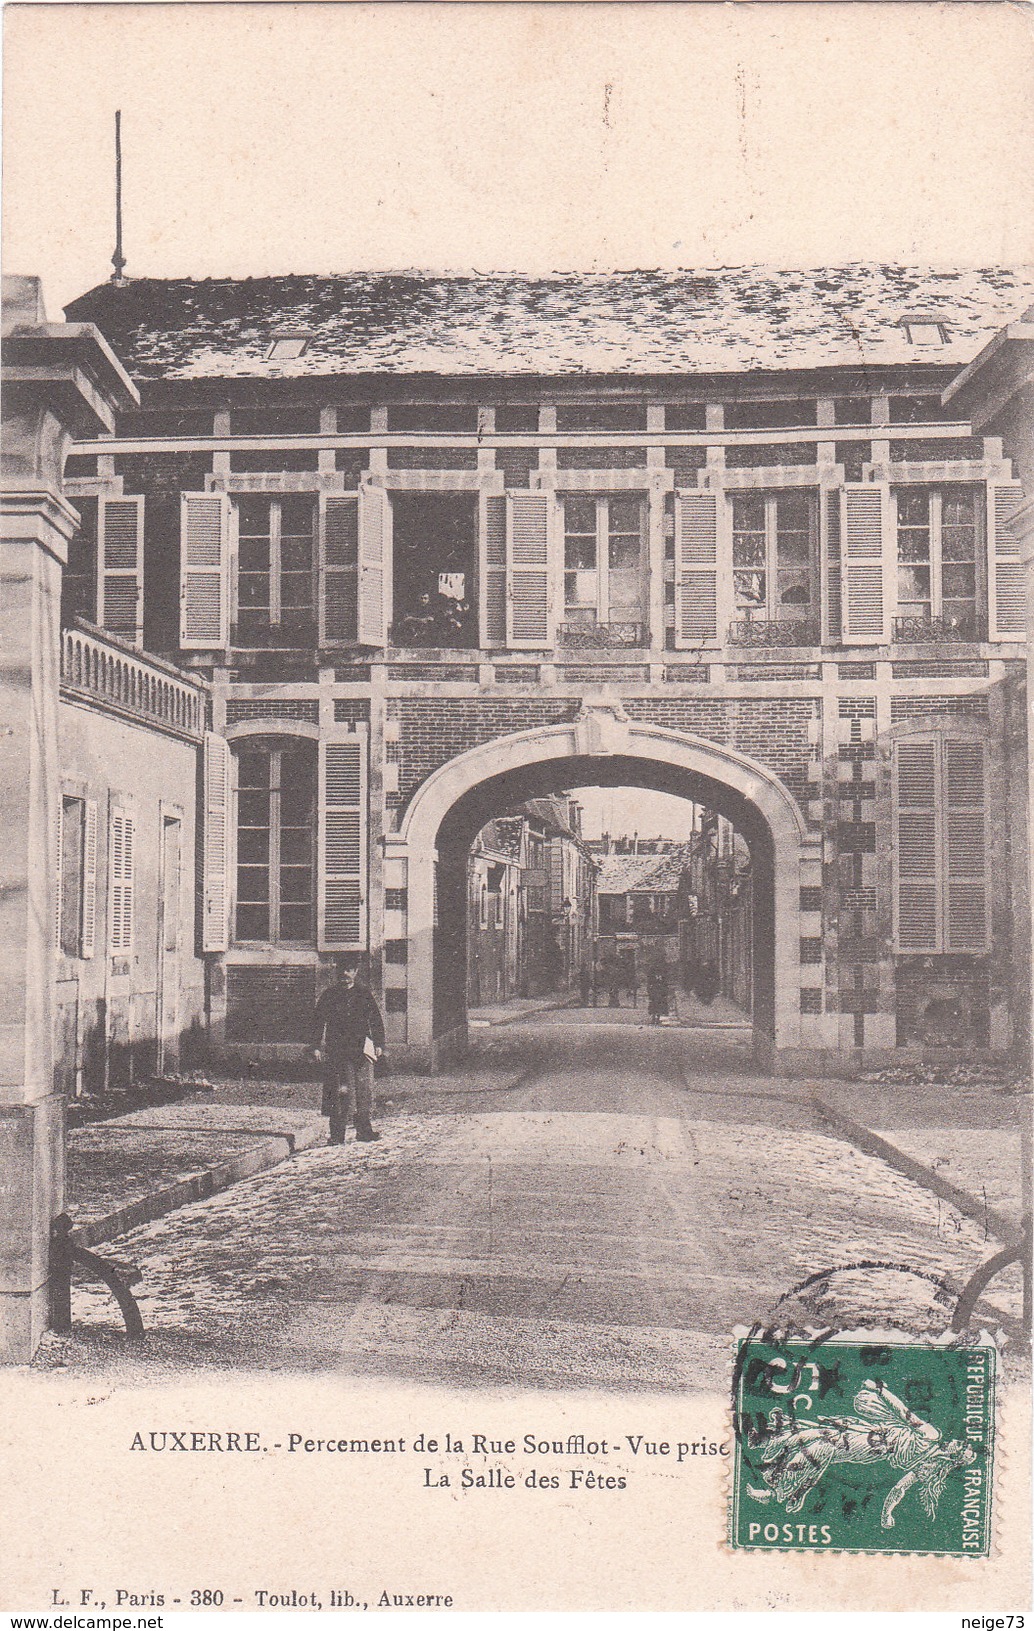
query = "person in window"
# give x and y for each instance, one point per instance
(348, 1039)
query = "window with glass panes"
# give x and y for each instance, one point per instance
(276, 830)
(603, 552)
(773, 556)
(938, 553)
(276, 569)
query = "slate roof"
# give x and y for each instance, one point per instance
(653, 874)
(712, 321)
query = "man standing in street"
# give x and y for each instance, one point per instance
(349, 1037)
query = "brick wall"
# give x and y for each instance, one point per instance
(434, 731)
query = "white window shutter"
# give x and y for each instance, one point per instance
(865, 562)
(120, 567)
(697, 568)
(59, 868)
(529, 570)
(121, 869)
(204, 571)
(492, 535)
(339, 568)
(965, 847)
(917, 868)
(215, 862)
(341, 892)
(1006, 574)
(88, 941)
(374, 565)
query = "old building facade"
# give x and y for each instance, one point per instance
(440, 545)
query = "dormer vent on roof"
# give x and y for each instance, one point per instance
(288, 344)
(922, 329)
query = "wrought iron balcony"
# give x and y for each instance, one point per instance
(774, 631)
(597, 635)
(924, 630)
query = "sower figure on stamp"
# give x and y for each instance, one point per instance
(349, 1037)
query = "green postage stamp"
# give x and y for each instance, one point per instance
(850, 1444)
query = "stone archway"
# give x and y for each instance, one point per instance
(603, 745)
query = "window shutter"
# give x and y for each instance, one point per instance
(865, 519)
(529, 601)
(965, 804)
(339, 568)
(120, 567)
(917, 912)
(1006, 575)
(89, 925)
(120, 882)
(374, 553)
(215, 863)
(493, 569)
(58, 869)
(341, 866)
(204, 571)
(696, 568)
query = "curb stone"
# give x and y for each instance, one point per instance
(270, 1152)
(870, 1143)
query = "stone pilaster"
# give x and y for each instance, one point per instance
(59, 380)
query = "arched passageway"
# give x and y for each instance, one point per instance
(600, 748)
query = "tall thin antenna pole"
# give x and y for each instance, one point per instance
(118, 260)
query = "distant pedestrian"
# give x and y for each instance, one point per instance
(614, 983)
(708, 984)
(657, 994)
(632, 978)
(348, 1039)
(585, 983)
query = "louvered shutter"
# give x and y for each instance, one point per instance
(1006, 574)
(204, 571)
(120, 567)
(215, 860)
(965, 846)
(864, 562)
(339, 568)
(917, 871)
(493, 569)
(529, 598)
(697, 619)
(374, 569)
(88, 940)
(341, 866)
(121, 867)
(59, 869)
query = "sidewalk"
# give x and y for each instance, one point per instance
(135, 1168)
(968, 1144)
(685, 1012)
(506, 1013)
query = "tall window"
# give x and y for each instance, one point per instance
(773, 557)
(603, 552)
(938, 557)
(276, 570)
(276, 825)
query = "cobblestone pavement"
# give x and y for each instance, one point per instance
(606, 1220)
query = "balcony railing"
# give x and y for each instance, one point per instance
(100, 669)
(596, 636)
(774, 631)
(923, 630)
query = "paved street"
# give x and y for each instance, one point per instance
(604, 1221)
